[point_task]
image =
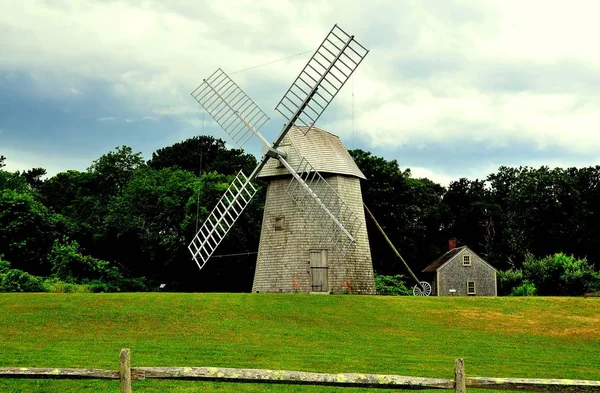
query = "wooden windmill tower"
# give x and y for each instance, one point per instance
(293, 253)
(317, 202)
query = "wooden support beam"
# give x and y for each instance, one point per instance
(294, 377)
(534, 385)
(459, 376)
(125, 370)
(57, 373)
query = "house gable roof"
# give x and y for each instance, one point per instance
(435, 265)
(449, 255)
(323, 150)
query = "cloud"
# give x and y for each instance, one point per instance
(494, 76)
(438, 177)
(21, 160)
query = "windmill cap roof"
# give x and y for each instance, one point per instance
(323, 150)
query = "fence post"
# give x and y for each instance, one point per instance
(459, 376)
(125, 370)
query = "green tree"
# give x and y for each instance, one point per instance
(560, 274)
(114, 169)
(13, 181)
(148, 221)
(26, 231)
(157, 214)
(70, 265)
(408, 209)
(33, 177)
(392, 285)
(83, 198)
(545, 211)
(472, 217)
(203, 152)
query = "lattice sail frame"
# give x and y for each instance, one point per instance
(322, 78)
(311, 93)
(339, 223)
(231, 108)
(221, 219)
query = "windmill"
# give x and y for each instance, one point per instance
(308, 97)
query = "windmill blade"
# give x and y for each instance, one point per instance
(221, 219)
(321, 79)
(235, 112)
(322, 205)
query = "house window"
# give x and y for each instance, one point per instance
(279, 223)
(466, 260)
(470, 287)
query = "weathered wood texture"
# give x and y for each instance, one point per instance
(453, 275)
(283, 260)
(591, 294)
(125, 370)
(58, 373)
(126, 374)
(459, 376)
(295, 377)
(534, 385)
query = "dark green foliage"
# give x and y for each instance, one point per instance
(408, 209)
(15, 280)
(139, 218)
(391, 285)
(114, 169)
(149, 222)
(26, 231)
(70, 265)
(554, 275)
(13, 181)
(4, 265)
(560, 274)
(203, 153)
(526, 288)
(508, 280)
(33, 177)
(471, 216)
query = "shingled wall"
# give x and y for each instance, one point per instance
(283, 263)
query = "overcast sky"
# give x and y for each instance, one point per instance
(450, 88)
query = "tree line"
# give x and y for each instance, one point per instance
(124, 223)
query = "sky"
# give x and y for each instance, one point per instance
(449, 89)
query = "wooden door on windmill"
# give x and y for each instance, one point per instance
(318, 270)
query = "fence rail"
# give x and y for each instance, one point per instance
(459, 384)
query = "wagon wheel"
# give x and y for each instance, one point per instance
(422, 289)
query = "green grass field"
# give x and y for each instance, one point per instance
(497, 337)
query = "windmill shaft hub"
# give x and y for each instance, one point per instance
(275, 153)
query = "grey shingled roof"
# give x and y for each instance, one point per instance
(323, 150)
(443, 259)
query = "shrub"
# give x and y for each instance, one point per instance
(560, 274)
(15, 280)
(56, 286)
(70, 266)
(526, 288)
(391, 285)
(4, 265)
(508, 280)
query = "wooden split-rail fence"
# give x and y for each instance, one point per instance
(459, 384)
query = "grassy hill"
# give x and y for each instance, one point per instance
(498, 337)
